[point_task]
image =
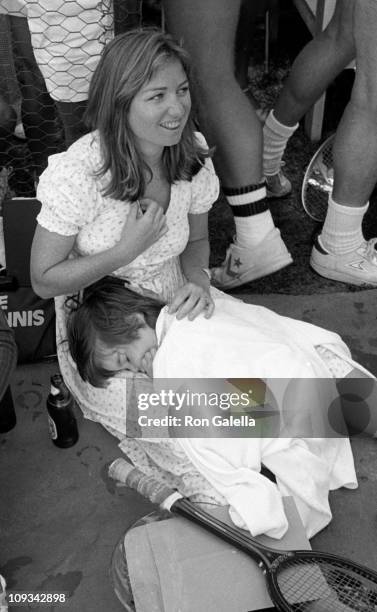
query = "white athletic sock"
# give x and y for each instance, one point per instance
(275, 136)
(341, 232)
(252, 230)
(251, 212)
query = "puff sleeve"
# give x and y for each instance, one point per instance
(69, 195)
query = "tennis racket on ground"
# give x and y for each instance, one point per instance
(318, 181)
(297, 581)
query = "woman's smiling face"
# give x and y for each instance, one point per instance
(159, 111)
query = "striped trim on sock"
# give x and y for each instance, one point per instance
(248, 210)
(275, 137)
(249, 203)
(233, 191)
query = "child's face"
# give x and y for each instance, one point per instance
(126, 356)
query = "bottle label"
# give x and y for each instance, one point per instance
(52, 428)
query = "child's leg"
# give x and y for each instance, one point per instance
(358, 393)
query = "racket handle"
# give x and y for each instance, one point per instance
(156, 491)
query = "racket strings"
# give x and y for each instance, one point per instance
(322, 585)
(318, 182)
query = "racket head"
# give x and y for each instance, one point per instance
(321, 582)
(297, 581)
(318, 181)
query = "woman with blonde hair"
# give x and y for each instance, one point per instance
(129, 199)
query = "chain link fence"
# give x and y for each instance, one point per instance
(48, 52)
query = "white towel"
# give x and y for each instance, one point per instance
(240, 341)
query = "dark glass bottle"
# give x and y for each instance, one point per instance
(62, 421)
(7, 413)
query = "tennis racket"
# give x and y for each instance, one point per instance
(300, 580)
(318, 181)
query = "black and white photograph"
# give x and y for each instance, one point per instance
(188, 324)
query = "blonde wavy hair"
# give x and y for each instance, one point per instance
(127, 63)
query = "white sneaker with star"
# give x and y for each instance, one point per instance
(243, 265)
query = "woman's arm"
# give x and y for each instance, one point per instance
(194, 297)
(195, 257)
(54, 273)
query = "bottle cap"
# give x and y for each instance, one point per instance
(54, 390)
(56, 384)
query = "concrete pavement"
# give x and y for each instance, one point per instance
(61, 517)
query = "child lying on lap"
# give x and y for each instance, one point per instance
(114, 329)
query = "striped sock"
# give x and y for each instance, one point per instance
(341, 232)
(275, 136)
(251, 212)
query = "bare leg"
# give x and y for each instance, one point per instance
(341, 253)
(317, 65)
(313, 70)
(228, 120)
(207, 28)
(355, 149)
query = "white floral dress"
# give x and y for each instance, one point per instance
(72, 204)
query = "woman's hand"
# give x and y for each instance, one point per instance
(190, 300)
(142, 229)
(195, 297)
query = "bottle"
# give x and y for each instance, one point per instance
(62, 422)
(7, 413)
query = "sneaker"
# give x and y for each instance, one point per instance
(278, 186)
(359, 267)
(243, 265)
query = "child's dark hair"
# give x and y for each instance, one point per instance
(108, 312)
